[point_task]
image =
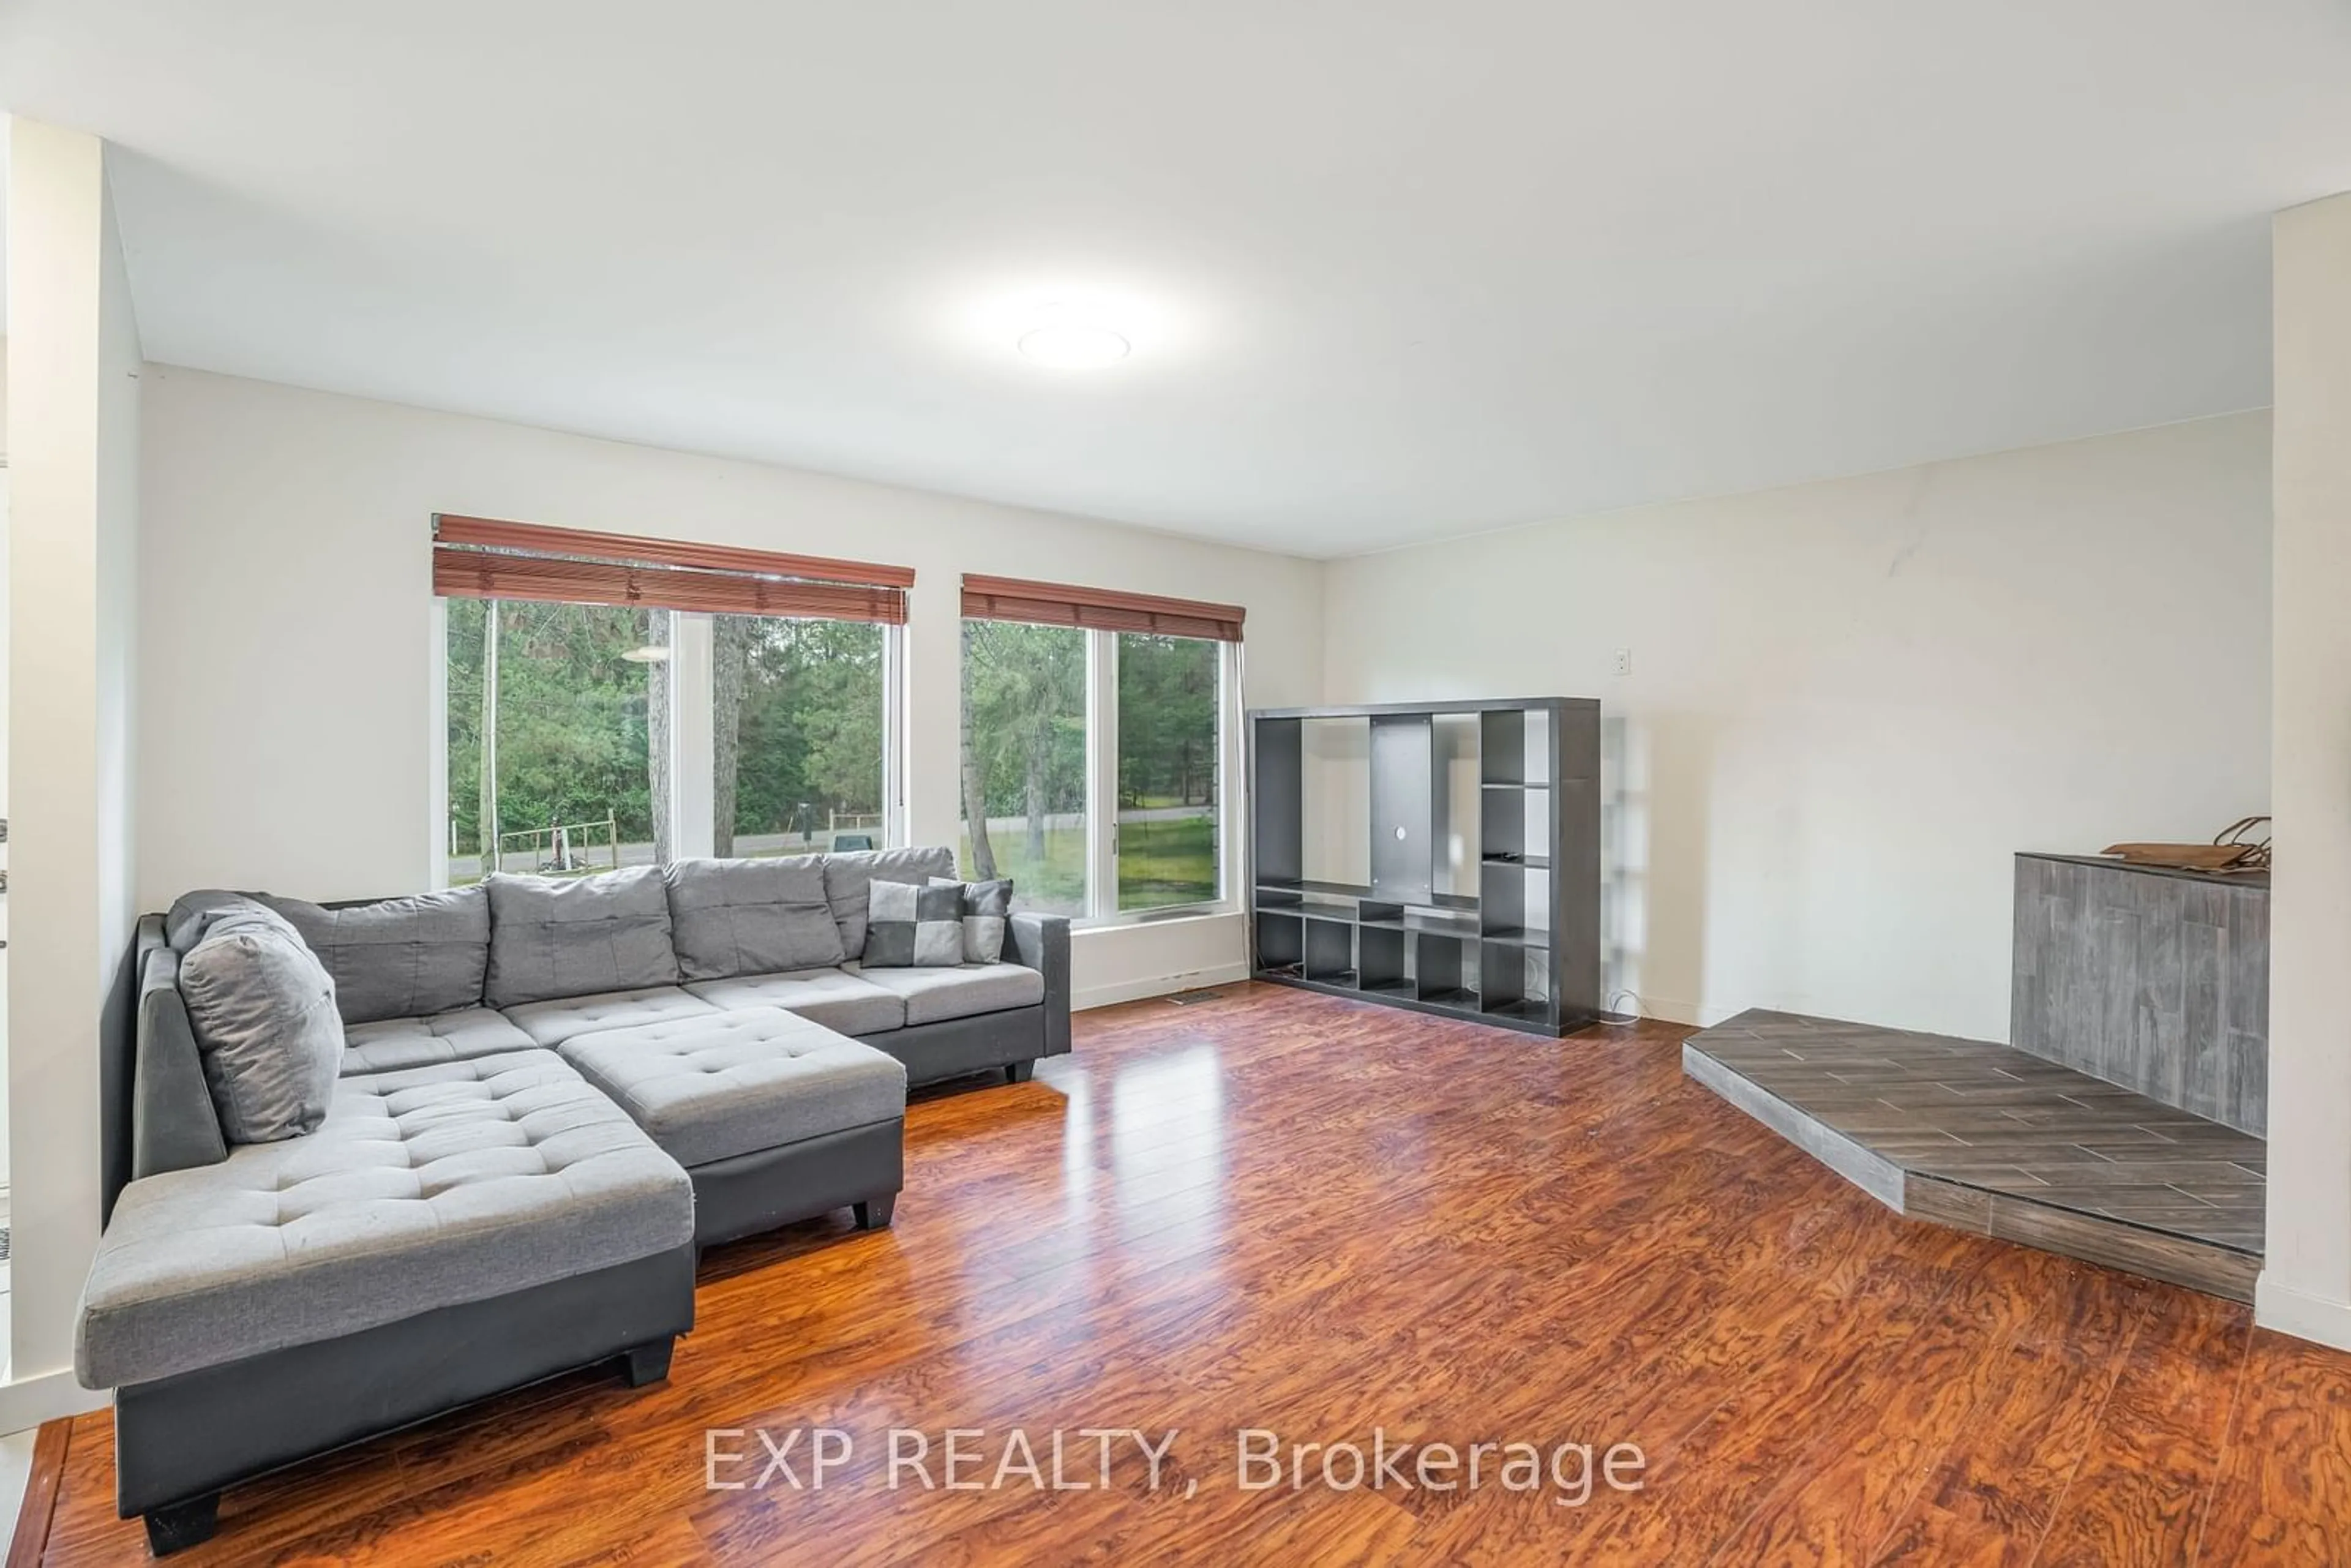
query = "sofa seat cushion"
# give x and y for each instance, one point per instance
(389, 1044)
(553, 1022)
(833, 998)
(736, 1082)
(932, 996)
(451, 1183)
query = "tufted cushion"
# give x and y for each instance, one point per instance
(398, 958)
(389, 1044)
(933, 995)
(550, 1023)
(833, 998)
(439, 1185)
(712, 1088)
(847, 877)
(552, 936)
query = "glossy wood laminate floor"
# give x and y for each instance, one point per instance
(1280, 1210)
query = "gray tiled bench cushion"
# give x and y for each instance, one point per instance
(553, 1022)
(932, 996)
(390, 1044)
(450, 1183)
(833, 998)
(757, 1078)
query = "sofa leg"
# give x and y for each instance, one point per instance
(874, 1213)
(643, 1364)
(182, 1523)
(1020, 1071)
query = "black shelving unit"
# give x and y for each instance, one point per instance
(1522, 949)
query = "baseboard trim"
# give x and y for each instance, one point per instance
(29, 1402)
(2297, 1313)
(1157, 985)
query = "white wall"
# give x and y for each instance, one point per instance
(73, 446)
(289, 704)
(2306, 1284)
(1851, 702)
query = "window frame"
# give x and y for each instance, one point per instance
(693, 735)
(1102, 910)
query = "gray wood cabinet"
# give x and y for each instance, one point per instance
(2157, 981)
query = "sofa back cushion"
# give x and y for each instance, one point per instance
(563, 937)
(400, 957)
(262, 1008)
(847, 877)
(738, 917)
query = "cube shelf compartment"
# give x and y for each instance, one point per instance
(1477, 893)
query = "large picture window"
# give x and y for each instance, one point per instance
(1095, 726)
(797, 726)
(615, 701)
(555, 726)
(1024, 762)
(1168, 773)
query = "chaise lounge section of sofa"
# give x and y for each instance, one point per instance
(551, 1096)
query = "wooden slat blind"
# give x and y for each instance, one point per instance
(1098, 609)
(478, 557)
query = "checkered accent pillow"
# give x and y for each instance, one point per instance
(986, 910)
(908, 927)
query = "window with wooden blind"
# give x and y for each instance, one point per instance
(617, 699)
(1097, 725)
(1098, 609)
(478, 557)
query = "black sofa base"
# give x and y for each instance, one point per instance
(956, 1048)
(859, 1166)
(179, 1440)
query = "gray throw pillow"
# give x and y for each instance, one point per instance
(737, 917)
(558, 938)
(915, 928)
(847, 876)
(400, 957)
(193, 914)
(262, 1008)
(986, 910)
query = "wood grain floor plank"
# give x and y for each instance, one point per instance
(2284, 1493)
(2138, 1500)
(1284, 1211)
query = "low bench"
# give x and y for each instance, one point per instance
(776, 1118)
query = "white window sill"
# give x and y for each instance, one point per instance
(1183, 914)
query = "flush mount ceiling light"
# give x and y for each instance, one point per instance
(1066, 340)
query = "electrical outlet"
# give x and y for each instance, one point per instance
(1622, 663)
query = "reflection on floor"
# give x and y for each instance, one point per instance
(1993, 1140)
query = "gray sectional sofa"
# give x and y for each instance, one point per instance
(549, 1097)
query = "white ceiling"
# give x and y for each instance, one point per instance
(1394, 269)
